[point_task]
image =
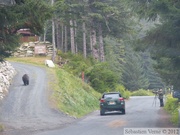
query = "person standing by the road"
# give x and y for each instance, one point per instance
(160, 96)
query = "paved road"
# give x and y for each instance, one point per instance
(141, 112)
(26, 111)
(26, 108)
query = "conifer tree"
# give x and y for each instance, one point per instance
(24, 14)
(133, 75)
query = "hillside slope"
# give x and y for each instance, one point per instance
(71, 95)
(66, 92)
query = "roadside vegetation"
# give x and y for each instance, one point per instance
(99, 75)
(73, 96)
(1, 128)
(142, 92)
(68, 93)
(172, 105)
(40, 61)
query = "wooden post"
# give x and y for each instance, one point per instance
(179, 118)
(83, 76)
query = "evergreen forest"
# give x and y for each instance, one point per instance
(116, 44)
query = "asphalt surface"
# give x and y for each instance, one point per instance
(26, 109)
(141, 112)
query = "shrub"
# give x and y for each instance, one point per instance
(98, 75)
(1, 128)
(142, 92)
(101, 78)
(73, 96)
(125, 93)
(172, 107)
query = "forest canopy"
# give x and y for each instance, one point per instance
(21, 14)
(107, 31)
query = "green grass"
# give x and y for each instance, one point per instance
(1, 128)
(172, 105)
(30, 60)
(142, 92)
(74, 96)
(67, 92)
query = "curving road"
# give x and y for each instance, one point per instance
(141, 112)
(26, 108)
(26, 111)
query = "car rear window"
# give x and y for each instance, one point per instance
(115, 95)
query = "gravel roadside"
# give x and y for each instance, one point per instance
(26, 108)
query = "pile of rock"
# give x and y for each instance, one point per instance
(7, 73)
(28, 49)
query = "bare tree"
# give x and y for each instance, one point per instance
(58, 35)
(101, 44)
(75, 34)
(84, 40)
(45, 32)
(53, 36)
(94, 44)
(62, 37)
(65, 39)
(72, 36)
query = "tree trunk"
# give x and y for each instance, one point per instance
(72, 37)
(58, 36)
(91, 46)
(94, 44)
(84, 40)
(45, 32)
(101, 45)
(75, 34)
(62, 37)
(65, 39)
(53, 37)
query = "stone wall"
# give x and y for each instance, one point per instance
(27, 49)
(7, 73)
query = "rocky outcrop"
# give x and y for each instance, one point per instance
(7, 73)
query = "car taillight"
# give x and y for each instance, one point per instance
(102, 100)
(121, 99)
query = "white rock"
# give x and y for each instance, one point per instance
(49, 63)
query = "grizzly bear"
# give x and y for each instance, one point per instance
(25, 79)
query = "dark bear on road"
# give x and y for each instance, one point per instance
(25, 79)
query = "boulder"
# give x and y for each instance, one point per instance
(49, 63)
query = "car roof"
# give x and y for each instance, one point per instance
(111, 93)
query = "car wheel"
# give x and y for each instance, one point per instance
(102, 112)
(123, 111)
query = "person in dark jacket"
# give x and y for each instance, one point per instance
(160, 96)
